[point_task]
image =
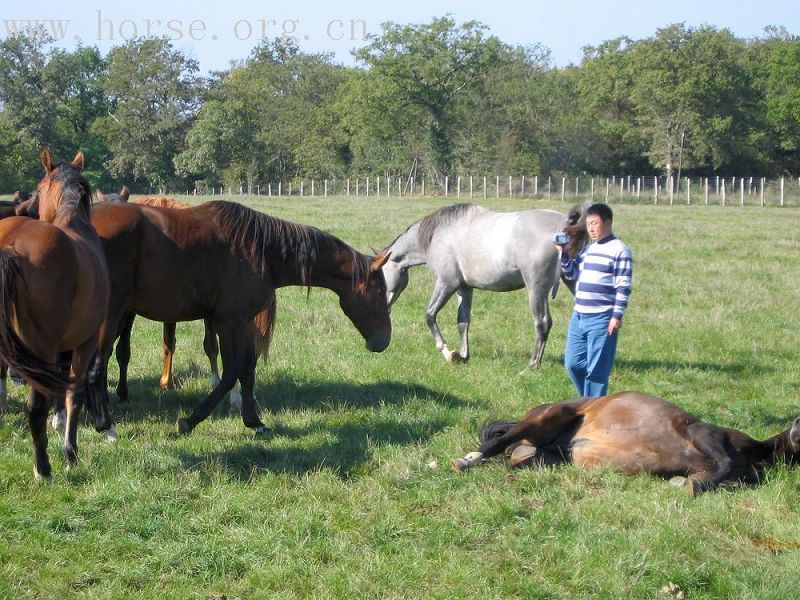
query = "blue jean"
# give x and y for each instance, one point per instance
(590, 351)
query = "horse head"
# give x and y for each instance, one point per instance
(365, 304)
(404, 252)
(62, 184)
(119, 198)
(576, 228)
(793, 437)
(396, 277)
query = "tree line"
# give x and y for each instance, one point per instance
(432, 100)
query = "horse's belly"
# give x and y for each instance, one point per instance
(635, 455)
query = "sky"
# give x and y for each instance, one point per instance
(216, 33)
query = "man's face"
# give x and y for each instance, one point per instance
(597, 228)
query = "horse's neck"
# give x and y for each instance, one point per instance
(406, 251)
(332, 269)
(70, 217)
(774, 449)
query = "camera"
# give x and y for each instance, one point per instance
(560, 238)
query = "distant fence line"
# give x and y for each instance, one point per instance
(763, 191)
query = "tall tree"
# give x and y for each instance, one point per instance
(691, 91)
(267, 119)
(777, 66)
(153, 92)
(429, 66)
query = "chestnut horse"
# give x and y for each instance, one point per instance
(632, 433)
(262, 323)
(223, 261)
(54, 291)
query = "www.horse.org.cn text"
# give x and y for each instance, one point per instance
(113, 29)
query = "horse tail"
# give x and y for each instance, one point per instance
(264, 323)
(491, 431)
(43, 376)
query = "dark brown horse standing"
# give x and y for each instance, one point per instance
(632, 433)
(263, 324)
(223, 261)
(54, 291)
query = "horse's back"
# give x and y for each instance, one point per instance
(501, 251)
(634, 432)
(48, 263)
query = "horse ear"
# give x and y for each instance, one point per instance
(379, 261)
(125, 192)
(47, 160)
(77, 162)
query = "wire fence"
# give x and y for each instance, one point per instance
(717, 190)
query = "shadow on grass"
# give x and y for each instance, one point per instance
(330, 437)
(346, 450)
(730, 369)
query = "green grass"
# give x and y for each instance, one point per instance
(353, 495)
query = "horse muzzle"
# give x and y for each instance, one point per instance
(379, 342)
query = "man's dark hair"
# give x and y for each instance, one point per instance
(601, 210)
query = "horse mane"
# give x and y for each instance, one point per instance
(75, 189)
(260, 237)
(442, 217)
(576, 230)
(160, 202)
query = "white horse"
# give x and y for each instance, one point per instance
(468, 246)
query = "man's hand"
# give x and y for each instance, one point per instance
(614, 325)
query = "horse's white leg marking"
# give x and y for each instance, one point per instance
(235, 399)
(58, 420)
(470, 460)
(441, 294)
(464, 318)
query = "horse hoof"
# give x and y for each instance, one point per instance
(678, 481)
(693, 488)
(262, 430)
(183, 427)
(111, 434)
(38, 477)
(459, 465)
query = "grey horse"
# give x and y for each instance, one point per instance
(467, 246)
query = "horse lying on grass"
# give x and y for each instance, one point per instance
(633, 433)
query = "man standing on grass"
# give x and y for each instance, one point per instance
(603, 270)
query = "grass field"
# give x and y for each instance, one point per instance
(353, 496)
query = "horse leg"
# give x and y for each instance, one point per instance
(233, 347)
(3, 388)
(168, 343)
(211, 349)
(540, 426)
(525, 455)
(542, 322)
(247, 380)
(82, 357)
(58, 420)
(464, 296)
(38, 408)
(98, 373)
(123, 354)
(711, 443)
(441, 294)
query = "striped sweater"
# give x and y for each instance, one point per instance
(604, 270)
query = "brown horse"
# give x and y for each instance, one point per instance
(632, 433)
(263, 324)
(223, 261)
(54, 291)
